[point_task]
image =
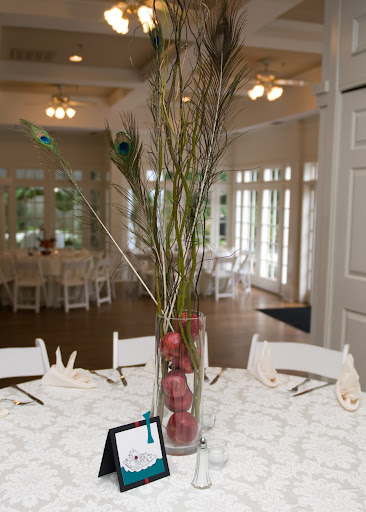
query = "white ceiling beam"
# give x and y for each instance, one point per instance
(65, 74)
(289, 35)
(263, 12)
(259, 14)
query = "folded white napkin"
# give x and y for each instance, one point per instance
(3, 412)
(347, 388)
(264, 369)
(69, 377)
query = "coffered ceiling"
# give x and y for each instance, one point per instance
(37, 37)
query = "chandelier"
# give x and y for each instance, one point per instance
(118, 20)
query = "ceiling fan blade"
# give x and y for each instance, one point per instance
(285, 81)
(75, 103)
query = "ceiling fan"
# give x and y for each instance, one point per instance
(265, 81)
(62, 105)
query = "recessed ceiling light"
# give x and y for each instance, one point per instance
(75, 58)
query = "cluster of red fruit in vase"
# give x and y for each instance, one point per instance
(182, 426)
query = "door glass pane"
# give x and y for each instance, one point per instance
(222, 218)
(29, 216)
(269, 235)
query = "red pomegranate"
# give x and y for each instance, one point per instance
(175, 384)
(182, 427)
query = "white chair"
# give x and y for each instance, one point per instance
(100, 277)
(28, 275)
(24, 361)
(224, 277)
(301, 357)
(138, 351)
(74, 283)
(132, 351)
(242, 271)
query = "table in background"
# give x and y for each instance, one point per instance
(51, 265)
(286, 454)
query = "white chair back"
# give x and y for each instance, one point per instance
(24, 361)
(300, 357)
(224, 277)
(132, 351)
(138, 351)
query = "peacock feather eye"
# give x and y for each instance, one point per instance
(44, 138)
(156, 38)
(123, 144)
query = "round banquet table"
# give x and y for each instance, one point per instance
(287, 454)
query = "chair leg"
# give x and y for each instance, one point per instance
(38, 297)
(109, 294)
(66, 298)
(15, 297)
(86, 295)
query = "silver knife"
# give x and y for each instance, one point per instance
(123, 379)
(28, 394)
(218, 376)
(312, 389)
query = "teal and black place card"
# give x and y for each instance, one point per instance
(136, 452)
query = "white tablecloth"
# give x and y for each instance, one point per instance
(286, 454)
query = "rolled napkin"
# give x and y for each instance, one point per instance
(69, 377)
(264, 369)
(3, 412)
(347, 388)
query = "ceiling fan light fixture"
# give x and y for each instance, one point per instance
(50, 111)
(60, 113)
(274, 93)
(145, 15)
(256, 92)
(75, 58)
(70, 112)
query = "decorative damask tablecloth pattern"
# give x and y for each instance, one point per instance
(286, 454)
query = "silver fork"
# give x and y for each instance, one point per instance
(111, 381)
(295, 388)
(16, 402)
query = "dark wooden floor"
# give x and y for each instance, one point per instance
(230, 327)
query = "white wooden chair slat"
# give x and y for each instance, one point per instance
(24, 361)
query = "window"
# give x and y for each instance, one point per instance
(29, 174)
(67, 219)
(285, 238)
(269, 234)
(310, 175)
(222, 218)
(271, 174)
(262, 223)
(29, 215)
(3, 173)
(246, 222)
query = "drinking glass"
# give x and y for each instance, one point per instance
(218, 453)
(208, 417)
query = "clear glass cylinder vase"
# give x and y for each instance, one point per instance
(178, 385)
